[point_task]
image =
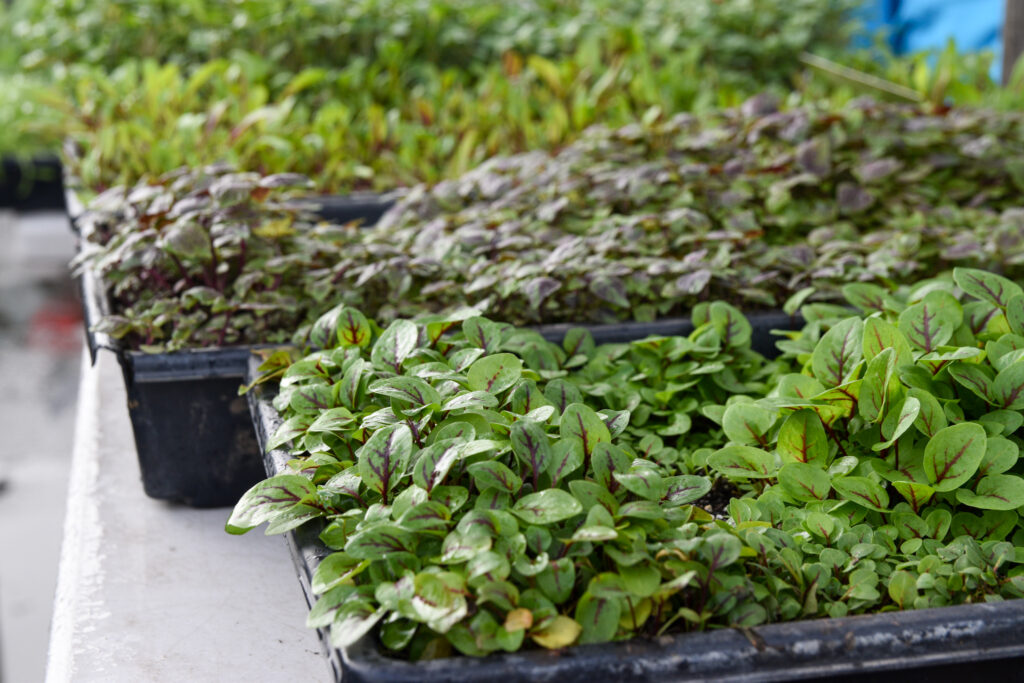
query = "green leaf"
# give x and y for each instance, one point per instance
(464, 545)
(334, 570)
(898, 421)
(733, 328)
(269, 500)
(557, 579)
(494, 374)
(986, 286)
(869, 298)
(862, 491)
(744, 462)
(807, 483)
(914, 493)
(995, 492)
(411, 390)
(353, 621)
(903, 588)
(930, 323)
(377, 542)
(977, 378)
(560, 632)
(838, 352)
(880, 335)
(685, 488)
(531, 446)
(720, 550)
(747, 424)
(438, 600)
(546, 507)
(342, 326)
(607, 461)
(384, 457)
(953, 455)
(394, 346)
(598, 617)
(874, 389)
(578, 341)
(483, 333)
(930, 418)
(494, 474)
(643, 482)
(1008, 387)
(802, 439)
(582, 425)
(1015, 313)
(566, 458)
(470, 399)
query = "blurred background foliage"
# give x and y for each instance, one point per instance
(379, 94)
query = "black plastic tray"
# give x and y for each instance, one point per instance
(34, 184)
(966, 642)
(192, 431)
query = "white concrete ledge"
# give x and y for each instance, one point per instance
(154, 592)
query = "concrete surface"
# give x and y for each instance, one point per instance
(40, 351)
(149, 591)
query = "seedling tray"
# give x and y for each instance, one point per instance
(34, 184)
(973, 642)
(192, 431)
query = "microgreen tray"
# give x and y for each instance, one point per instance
(916, 645)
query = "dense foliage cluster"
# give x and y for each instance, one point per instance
(206, 258)
(383, 93)
(477, 500)
(751, 205)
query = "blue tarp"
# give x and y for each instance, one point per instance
(915, 25)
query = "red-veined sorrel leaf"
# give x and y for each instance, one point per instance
(598, 617)
(494, 474)
(412, 390)
(916, 494)
(898, 421)
(868, 298)
(747, 424)
(802, 439)
(1015, 313)
(930, 323)
(266, 501)
(880, 335)
(807, 483)
(1008, 387)
(995, 492)
(977, 378)
(685, 488)
(383, 458)
(733, 328)
(546, 507)
(394, 345)
(874, 389)
(953, 455)
(838, 352)
(986, 286)
(931, 417)
(862, 491)
(743, 461)
(494, 374)
(583, 425)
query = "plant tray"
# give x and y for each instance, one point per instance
(34, 184)
(192, 431)
(970, 642)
